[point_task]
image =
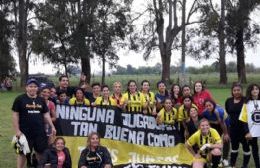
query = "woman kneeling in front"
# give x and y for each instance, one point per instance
(205, 145)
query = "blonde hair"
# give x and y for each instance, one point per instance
(203, 120)
(117, 82)
(90, 136)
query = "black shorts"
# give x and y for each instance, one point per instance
(37, 142)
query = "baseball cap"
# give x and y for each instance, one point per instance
(32, 80)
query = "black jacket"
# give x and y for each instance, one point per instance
(50, 156)
(101, 158)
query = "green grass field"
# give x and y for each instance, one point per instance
(7, 155)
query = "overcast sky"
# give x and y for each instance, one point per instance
(136, 59)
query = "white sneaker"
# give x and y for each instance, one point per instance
(225, 163)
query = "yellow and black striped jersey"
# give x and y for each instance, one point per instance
(73, 101)
(168, 117)
(184, 114)
(150, 100)
(135, 103)
(197, 138)
(101, 102)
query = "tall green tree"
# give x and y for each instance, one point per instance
(53, 37)
(241, 32)
(23, 29)
(161, 34)
(113, 27)
(6, 60)
(101, 25)
(222, 49)
(183, 38)
(80, 30)
(212, 35)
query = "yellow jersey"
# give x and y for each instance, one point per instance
(150, 99)
(197, 138)
(119, 101)
(73, 101)
(168, 117)
(100, 102)
(184, 114)
(135, 103)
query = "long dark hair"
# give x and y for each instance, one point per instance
(212, 102)
(128, 84)
(236, 84)
(249, 90)
(172, 92)
(79, 89)
(144, 81)
(187, 97)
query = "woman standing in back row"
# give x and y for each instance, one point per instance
(250, 116)
(134, 101)
(233, 106)
(200, 95)
(149, 98)
(175, 94)
(161, 95)
(117, 95)
(105, 99)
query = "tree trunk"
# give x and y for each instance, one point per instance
(241, 68)
(22, 42)
(166, 62)
(23, 64)
(85, 66)
(103, 69)
(65, 68)
(222, 52)
(183, 43)
(85, 58)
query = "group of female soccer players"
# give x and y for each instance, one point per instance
(206, 128)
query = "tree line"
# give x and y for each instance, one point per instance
(74, 31)
(156, 69)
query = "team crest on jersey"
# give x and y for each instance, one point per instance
(255, 116)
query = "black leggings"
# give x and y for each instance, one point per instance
(254, 148)
(235, 141)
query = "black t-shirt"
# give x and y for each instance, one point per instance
(31, 112)
(90, 97)
(234, 110)
(95, 159)
(191, 126)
